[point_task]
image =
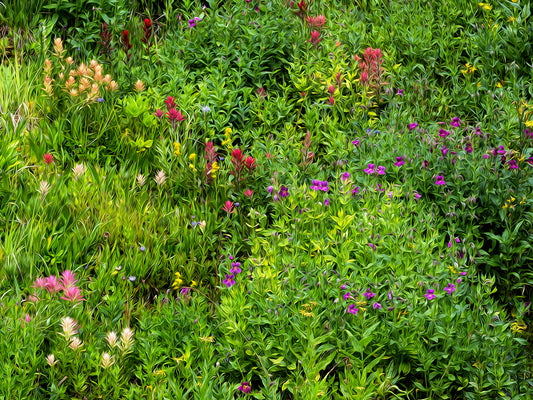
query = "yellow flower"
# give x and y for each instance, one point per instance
(498, 85)
(227, 132)
(214, 168)
(192, 157)
(511, 19)
(177, 148)
(192, 167)
(209, 339)
(193, 284)
(517, 327)
(306, 313)
(177, 281)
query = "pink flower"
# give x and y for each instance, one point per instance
(456, 122)
(48, 158)
(331, 90)
(228, 207)
(68, 279)
(412, 126)
(26, 319)
(72, 294)
(159, 114)
(175, 116)
(52, 284)
(352, 309)
(450, 288)
(40, 283)
(370, 169)
(315, 38)
(248, 193)
(170, 103)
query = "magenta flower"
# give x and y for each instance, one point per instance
(284, 192)
(413, 126)
(468, 148)
(355, 191)
(400, 92)
(399, 161)
(513, 164)
(326, 202)
(40, 283)
(346, 296)
(52, 284)
(170, 103)
(456, 122)
(368, 294)
(175, 116)
(229, 281)
(445, 151)
(440, 180)
(72, 294)
(370, 170)
(430, 295)
(68, 279)
(352, 309)
(376, 306)
(381, 170)
(417, 196)
(345, 176)
(245, 387)
(450, 288)
(355, 142)
(159, 114)
(443, 133)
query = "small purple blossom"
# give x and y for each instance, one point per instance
(347, 295)
(229, 281)
(326, 202)
(352, 309)
(376, 306)
(370, 170)
(400, 92)
(381, 170)
(235, 268)
(413, 126)
(345, 176)
(430, 295)
(450, 288)
(440, 180)
(468, 148)
(355, 191)
(399, 161)
(355, 142)
(443, 133)
(132, 278)
(245, 387)
(513, 164)
(456, 122)
(284, 192)
(270, 189)
(368, 294)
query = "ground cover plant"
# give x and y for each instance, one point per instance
(266, 199)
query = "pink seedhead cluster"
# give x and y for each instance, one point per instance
(66, 284)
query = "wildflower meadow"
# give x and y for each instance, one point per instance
(266, 199)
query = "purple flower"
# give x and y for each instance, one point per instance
(370, 169)
(368, 294)
(284, 192)
(468, 148)
(443, 133)
(345, 176)
(343, 286)
(444, 150)
(390, 294)
(326, 202)
(376, 306)
(440, 180)
(347, 295)
(142, 248)
(229, 281)
(235, 268)
(355, 191)
(270, 189)
(352, 309)
(430, 295)
(400, 92)
(381, 170)
(417, 196)
(413, 126)
(132, 278)
(355, 142)
(450, 288)
(513, 164)
(185, 291)
(100, 99)
(456, 122)
(462, 273)
(399, 161)
(245, 387)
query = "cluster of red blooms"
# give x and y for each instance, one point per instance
(371, 70)
(241, 163)
(302, 8)
(172, 114)
(147, 29)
